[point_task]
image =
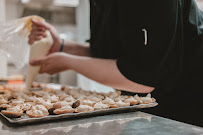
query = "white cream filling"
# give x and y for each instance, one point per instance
(146, 99)
(131, 99)
(65, 108)
(121, 104)
(100, 105)
(14, 109)
(84, 108)
(87, 102)
(69, 99)
(3, 101)
(18, 101)
(108, 101)
(39, 110)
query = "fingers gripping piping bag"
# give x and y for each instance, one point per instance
(37, 49)
(14, 44)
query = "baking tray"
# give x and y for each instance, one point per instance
(24, 119)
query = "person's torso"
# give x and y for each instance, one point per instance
(184, 39)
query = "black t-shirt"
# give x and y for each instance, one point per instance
(172, 37)
(171, 59)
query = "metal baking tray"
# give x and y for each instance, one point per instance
(24, 119)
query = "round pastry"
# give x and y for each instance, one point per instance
(13, 112)
(74, 92)
(60, 104)
(103, 94)
(39, 93)
(88, 102)
(87, 93)
(114, 94)
(38, 100)
(57, 105)
(80, 97)
(17, 101)
(119, 98)
(100, 105)
(137, 97)
(84, 108)
(8, 96)
(27, 97)
(70, 103)
(63, 110)
(48, 104)
(27, 106)
(93, 98)
(100, 96)
(149, 95)
(4, 106)
(109, 101)
(41, 101)
(37, 111)
(14, 94)
(3, 100)
(132, 101)
(121, 104)
(62, 95)
(146, 100)
(69, 99)
(52, 98)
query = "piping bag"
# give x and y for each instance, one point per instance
(37, 49)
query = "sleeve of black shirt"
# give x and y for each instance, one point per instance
(147, 64)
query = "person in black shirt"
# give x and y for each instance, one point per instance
(140, 47)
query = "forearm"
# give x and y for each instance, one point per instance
(106, 72)
(75, 48)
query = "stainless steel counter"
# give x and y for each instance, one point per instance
(117, 124)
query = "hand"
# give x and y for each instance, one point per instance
(53, 63)
(38, 32)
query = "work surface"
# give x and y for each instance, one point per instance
(116, 124)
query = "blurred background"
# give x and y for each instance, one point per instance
(71, 19)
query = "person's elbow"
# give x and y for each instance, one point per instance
(138, 88)
(148, 89)
(133, 87)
